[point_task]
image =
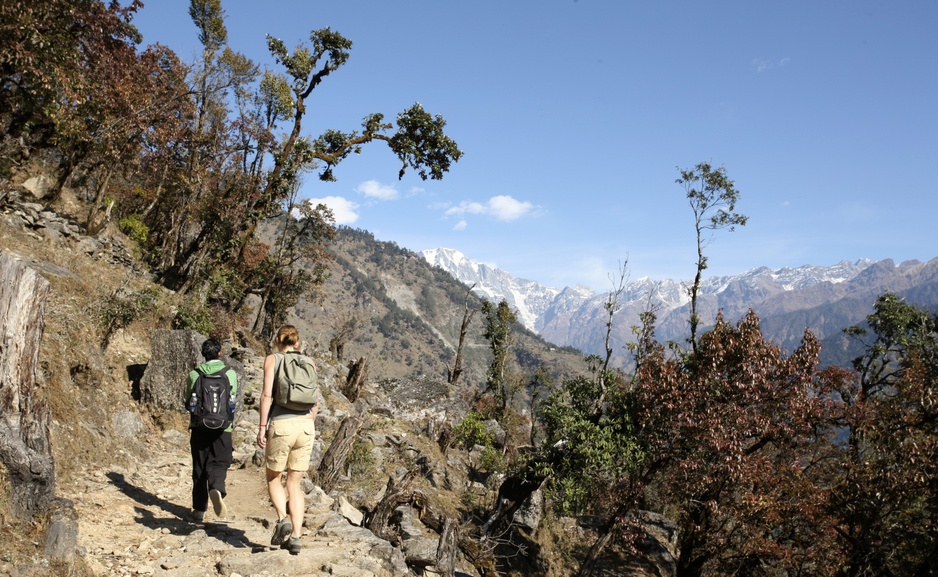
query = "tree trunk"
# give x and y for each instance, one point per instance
(482, 558)
(262, 315)
(463, 329)
(156, 195)
(25, 447)
(98, 197)
(194, 266)
(512, 493)
(333, 461)
(592, 557)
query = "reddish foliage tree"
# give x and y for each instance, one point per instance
(731, 443)
(47, 49)
(884, 494)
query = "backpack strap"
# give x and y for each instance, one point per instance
(278, 360)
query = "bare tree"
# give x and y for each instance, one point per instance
(466, 319)
(612, 306)
(344, 326)
(355, 380)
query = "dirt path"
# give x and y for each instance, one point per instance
(135, 523)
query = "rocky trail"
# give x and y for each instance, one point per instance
(136, 523)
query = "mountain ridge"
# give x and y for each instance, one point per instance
(825, 299)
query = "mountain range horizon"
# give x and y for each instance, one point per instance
(824, 299)
(496, 283)
(442, 253)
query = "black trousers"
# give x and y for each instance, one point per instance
(211, 457)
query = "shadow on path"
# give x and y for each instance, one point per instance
(177, 522)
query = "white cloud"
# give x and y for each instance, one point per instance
(763, 64)
(465, 207)
(344, 210)
(376, 190)
(461, 225)
(506, 208)
(501, 207)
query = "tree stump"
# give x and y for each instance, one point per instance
(446, 551)
(355, 380)
(482, 557)
(330, 468)
(395, 495)
(25, 448)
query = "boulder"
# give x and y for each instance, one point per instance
(353, 515)
(174, 353)
(530, 512)
(418, 400)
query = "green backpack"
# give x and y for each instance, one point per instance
(296, 385)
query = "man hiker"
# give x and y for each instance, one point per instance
(211, 390)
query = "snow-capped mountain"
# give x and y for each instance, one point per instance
(533, 300)
(528, 298)
(825, 299)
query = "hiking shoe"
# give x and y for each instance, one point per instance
(197, 516)
(282, 531)
(292, 545)
(218, 503)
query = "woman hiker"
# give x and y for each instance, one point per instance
(286, 435)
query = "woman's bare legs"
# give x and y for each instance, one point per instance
(296, 501)
(278, 497)
(292, 496)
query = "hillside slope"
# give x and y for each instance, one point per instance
(407, 314)
(125, 467)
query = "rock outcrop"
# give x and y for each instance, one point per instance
(174, 354)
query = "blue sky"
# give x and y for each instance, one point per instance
(575, 116)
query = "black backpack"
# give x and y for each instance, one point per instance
(211, 406)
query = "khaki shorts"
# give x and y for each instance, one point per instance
(290, 444)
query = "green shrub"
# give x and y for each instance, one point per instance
(360, 461)
(568, 497)
(195, 316)
(123, 308)
(227, 285)
(133, 227)
(492, 460)
(472, 431)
